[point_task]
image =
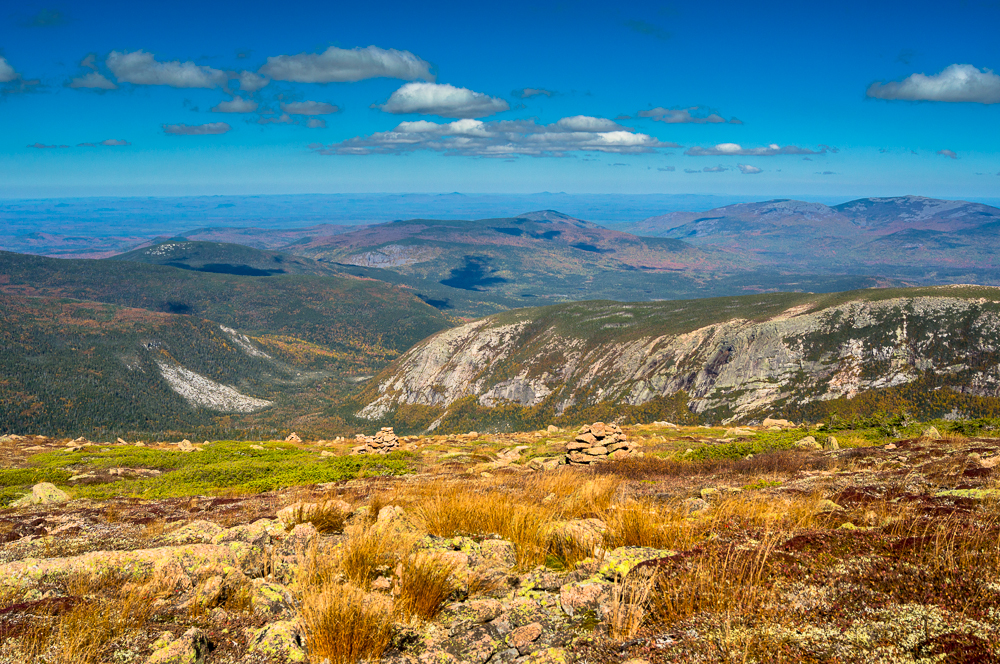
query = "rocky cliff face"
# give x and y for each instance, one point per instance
(734, 357)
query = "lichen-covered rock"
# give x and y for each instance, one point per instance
(524, 635)
(278, 642)
(187, 561)
(191, 648)
(500, 553)
(43, 493)
(576, 597)
(808, 443)
(548, 656)
(270, 599)
(195, 532)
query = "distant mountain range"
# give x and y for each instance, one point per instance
(918, 239)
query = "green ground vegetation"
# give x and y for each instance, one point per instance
(219, 468)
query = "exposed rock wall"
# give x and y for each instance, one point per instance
(733, 367)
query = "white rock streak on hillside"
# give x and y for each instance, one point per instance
(243, 341)
(201, 392)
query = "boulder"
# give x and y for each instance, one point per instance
(932, 433)
(831, 444)
(270, 600)
(191, 648)
(577, 597)
(186, 446)
(43, 493)
(280, 641)
(772, 422)
(196, 532)
(523, 636)
(293, 438)
(808, 443)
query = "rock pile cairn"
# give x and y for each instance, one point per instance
(598, 442)
(383, 442)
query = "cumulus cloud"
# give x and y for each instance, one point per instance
(747, 169)
(956, 83)
(444, 100)
(196, 130)
(682, 115)
(736, 150)
(715, 169)
(113, 142)
(951, 154)
(316, 123)
(338, 65)
(526, 93)
(309, 108)
(42, 146)
(93, 80)
(141, 68)
(251, 82)
(7, 73)
(236, 105)
(476, 138)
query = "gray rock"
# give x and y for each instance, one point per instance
(44, 493)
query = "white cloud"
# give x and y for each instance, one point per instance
(42, 146)
(682, 116)
(94, 80)
(948, 153)
(587, 123)
(476, 138)
(525, 93)
(735, 149)
(7, 73)
(316, 123)
(746, 169)
(715, 169)
(236, 105)
(251, 82)
(444, 100)
(112, 142)
(338, 65)
(197, 130)
(309, 108)
(141, 68)
(956, 83)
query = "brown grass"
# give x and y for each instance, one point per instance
(424, 581)
(345, 624)
(86, 632)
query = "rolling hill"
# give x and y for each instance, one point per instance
(331, 330)
(930, 351)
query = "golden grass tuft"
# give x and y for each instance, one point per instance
(345, 624)
(85, 633)
(424, 581)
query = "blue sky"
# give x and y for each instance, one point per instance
(790, 99)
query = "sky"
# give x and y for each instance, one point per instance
(800, 99)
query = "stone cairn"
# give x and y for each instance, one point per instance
(598, 442)
(383, 442)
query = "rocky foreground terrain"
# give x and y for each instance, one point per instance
(756, 544)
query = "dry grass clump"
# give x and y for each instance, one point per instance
(85, 632)
(368, 553)
(630, 603)
(424, 581)
(522, 511)
(773, 462)
(345, 624)
(718, 580)
(327, 517)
